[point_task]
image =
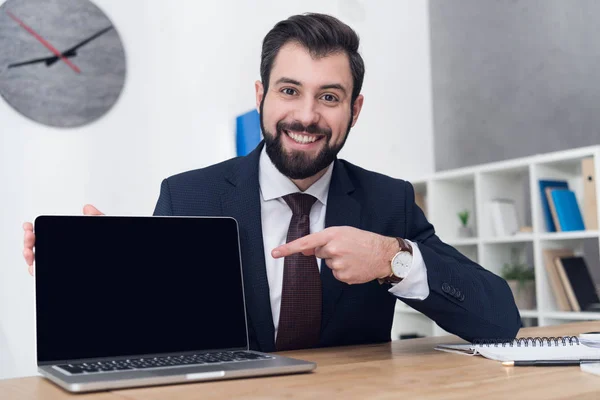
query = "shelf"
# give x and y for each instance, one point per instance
(462, 242)
(572, 315)
(447, 197)
(529, 237)
(566, 155)
(473, 189)
(402, 308)
(521, 238)
(569, 159)
(568, 235)
(466, 175)
(529, 313)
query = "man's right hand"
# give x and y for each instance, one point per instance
(29, 237)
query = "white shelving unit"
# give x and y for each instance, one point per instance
(448, 192)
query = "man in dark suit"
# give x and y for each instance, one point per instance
(328, 247)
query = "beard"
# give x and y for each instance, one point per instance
(297, 164)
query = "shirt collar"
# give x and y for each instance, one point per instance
(273, 184)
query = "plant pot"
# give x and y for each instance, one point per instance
(465, 232)
(524, 294)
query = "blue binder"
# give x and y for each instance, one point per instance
(567, 210)
(247, 132)
(545, 207)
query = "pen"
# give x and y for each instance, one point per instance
(545, 363)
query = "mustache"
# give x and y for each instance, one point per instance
(300, 127)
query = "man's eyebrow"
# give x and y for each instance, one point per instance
(295, 82)
(334, 86)
(288, 80)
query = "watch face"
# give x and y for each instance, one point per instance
(401, 264)
(62, 62)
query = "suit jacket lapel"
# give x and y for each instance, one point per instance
(342, 210)
(242, 201)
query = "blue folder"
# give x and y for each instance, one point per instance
(545, 207)
(567, 210)
(247, 132)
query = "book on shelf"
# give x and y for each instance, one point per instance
(578, 283)
(505, 220)
(558, 289)
(565, 210)
(590, 205)
(546, 183)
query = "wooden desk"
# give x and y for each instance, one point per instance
(403, 369)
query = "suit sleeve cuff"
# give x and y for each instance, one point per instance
(415, 286)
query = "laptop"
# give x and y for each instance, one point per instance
(138, 301)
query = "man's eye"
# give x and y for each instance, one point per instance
(329, 98)
(289, 91)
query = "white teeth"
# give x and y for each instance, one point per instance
(301, 138)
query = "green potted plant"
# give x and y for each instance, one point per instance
(521, 280)
(464, 230)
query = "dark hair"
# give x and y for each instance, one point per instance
(322, 35)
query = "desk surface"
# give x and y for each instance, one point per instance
(398, 369)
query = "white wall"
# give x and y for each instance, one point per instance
(191, 68)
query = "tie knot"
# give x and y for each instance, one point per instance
(300, 203)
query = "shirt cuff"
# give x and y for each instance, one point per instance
(415, 285)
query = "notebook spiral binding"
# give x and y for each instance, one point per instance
(529, 341)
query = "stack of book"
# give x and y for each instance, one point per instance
(571, 282)
(559, 203)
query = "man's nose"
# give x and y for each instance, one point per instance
(307, 114)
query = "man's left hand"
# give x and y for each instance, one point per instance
(354, 256)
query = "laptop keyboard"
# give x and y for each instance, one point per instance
(162, 362)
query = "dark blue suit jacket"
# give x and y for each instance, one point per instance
(464, 298)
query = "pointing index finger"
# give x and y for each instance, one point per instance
(308, 242)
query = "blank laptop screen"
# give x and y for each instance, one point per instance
(119, 286)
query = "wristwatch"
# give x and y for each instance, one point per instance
(400, 264)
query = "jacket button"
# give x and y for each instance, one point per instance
(462, 298)
(457, 294)
(445, 288)
(453, 292)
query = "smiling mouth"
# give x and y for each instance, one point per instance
(302, 138)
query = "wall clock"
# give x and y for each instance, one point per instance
(62, 62)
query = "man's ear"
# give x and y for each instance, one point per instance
(260, 92)
(356, 107)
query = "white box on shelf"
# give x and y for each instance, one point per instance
(505, 220)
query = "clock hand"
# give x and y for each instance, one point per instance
(86, 41)
(48, 60)
(44, 42)
(72, 52)
(73, 49)
(52, 60)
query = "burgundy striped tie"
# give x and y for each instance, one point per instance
(301, 297)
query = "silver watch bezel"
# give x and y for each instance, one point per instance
(401, 263)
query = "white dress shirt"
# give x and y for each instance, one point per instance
(276, 216)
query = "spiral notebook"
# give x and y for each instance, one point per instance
(527, 349)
